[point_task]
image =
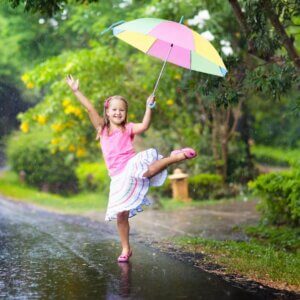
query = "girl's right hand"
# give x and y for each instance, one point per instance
(73, 84)
(151, 100)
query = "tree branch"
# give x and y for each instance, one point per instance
(239, 16)
(287, 42)
(237, 114)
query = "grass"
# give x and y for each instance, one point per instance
(75, 204)
(280, 237)
(262, 259)
(275, 156)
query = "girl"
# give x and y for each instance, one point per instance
(131, 174)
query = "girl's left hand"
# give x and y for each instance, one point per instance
(151, 99)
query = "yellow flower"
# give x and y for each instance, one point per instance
(24, 127)
(66, 102)
(170, 102)
(70, 109)
(131, 116)
(30, 85)
(25, 78)
(77, 112)
(80, 152)
(72, 148)
(57, 127)
(41, 119)
(177, 76)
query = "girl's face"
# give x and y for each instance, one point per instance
(116, 112)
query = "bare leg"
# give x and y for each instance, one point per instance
(123, 228)
(161, 164)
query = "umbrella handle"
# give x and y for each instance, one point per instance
(161, 71)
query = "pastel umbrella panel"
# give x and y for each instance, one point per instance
(189, 49)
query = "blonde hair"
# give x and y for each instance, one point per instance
(106, 106)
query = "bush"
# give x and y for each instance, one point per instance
(92, 176)
(205, 186)
(275, 156)
(30, 153)
(280, 192)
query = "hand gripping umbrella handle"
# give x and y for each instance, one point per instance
(161, 71)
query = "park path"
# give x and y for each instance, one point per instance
(44, 255)
(219, 221)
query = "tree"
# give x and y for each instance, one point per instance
(258, 68)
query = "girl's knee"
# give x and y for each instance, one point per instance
(123, 216)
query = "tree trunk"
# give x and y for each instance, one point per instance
(215, 137)
(244, 129)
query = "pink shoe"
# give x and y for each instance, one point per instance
(188, 152)
(124, 257)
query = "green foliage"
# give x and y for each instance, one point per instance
(80, 203)
(280, 197)
(264, 42)
(205, 186)
(11, 103)
(92, 176)
(108, 66)
(48, 8)
(275, 123)
(272, 80)
(30, 153)
(240, 167)
(101, 74)
(275, 156)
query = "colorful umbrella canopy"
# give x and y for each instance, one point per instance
(172, 42)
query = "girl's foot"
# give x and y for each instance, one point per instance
(188, 153)
(125, 257)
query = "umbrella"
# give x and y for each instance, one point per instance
(173, 42)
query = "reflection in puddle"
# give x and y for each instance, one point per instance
(125, 280)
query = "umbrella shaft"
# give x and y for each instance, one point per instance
(161, 71)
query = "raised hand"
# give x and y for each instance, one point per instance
(73, 84)
(151, 100)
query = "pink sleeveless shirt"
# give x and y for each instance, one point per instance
(117, 148)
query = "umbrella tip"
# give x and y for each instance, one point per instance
(181, 19)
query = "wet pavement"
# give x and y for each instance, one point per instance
(220, 222)
(50, 256)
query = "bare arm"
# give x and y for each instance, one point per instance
(96, 120)
(141, 127)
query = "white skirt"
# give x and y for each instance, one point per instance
(129, 188)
